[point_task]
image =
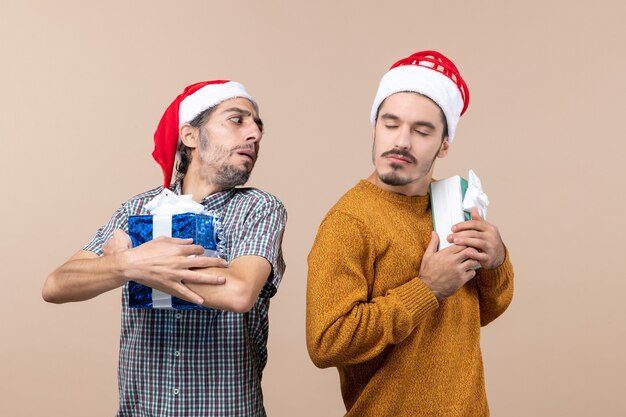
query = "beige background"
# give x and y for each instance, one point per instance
(84, 84)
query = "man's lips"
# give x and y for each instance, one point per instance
(248, 153)
(399, 157)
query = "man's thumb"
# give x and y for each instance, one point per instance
(433, 245)
(121, 235)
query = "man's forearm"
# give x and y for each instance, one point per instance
(495, 290)
(84, 276)
(243, 281)
(347, 328)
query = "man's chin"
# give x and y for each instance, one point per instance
(241, 179)
(232, 177)
(393, 179)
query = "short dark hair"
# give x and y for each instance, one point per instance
(444, 134)
(183, 151)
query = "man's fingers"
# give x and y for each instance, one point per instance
(209, 262)
(471, 264)
(476, 243)
(197, 277)
(187, 294)
(187, 250)
(119, 242)
(122, 237)
(433, 244)
(453, 250)
(175, 240)
(479, 225)
(197, 262)
(475, 214)
(469, 274)
(174, 288)
(477, 256)
(458, 236)
(184, 246)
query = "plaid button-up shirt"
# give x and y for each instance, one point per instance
(201, 362)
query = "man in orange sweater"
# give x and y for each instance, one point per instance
(399, 319)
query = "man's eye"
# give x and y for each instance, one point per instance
(237, 119)
(391, 126)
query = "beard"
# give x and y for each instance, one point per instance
(393, 178)
(226, 175)
(397, 176)
(229, 176)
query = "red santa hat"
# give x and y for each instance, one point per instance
(431, 74)
(194, 99)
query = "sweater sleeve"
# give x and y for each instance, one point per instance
(343, 325)
(495, 290)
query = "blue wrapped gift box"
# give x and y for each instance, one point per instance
(204, 229)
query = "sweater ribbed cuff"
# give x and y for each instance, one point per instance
(496, 277)
(418, 299)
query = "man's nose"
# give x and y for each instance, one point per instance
(253, 133)
(403, 138)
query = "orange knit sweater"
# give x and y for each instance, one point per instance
(398, 350)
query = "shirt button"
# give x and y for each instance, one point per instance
(178, 315)
(176, 353)
(176, 391)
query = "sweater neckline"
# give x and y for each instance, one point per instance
(421, 202)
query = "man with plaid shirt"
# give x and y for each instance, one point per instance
(199, 362)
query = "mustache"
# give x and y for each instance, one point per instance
(402, 153)
(250, 147)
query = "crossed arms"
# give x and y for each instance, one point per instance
(346, 326)
(164, 264)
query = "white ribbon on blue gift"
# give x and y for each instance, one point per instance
(163, 207)
(475, 196)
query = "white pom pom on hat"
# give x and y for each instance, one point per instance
(194, 99)
(431, 74)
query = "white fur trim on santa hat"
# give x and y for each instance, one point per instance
(208, 96)
(428, 82)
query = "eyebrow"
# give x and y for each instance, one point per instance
(247, 113)
(390, 116)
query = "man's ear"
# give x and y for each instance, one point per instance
(443, 150)
(374, 129)
(189, 135)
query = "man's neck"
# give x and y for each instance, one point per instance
(416, 188)
(199, 190)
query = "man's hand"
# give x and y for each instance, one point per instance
(481, 235)
(446, 271)
(165, 264)
(118, 243)
(245, 277)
